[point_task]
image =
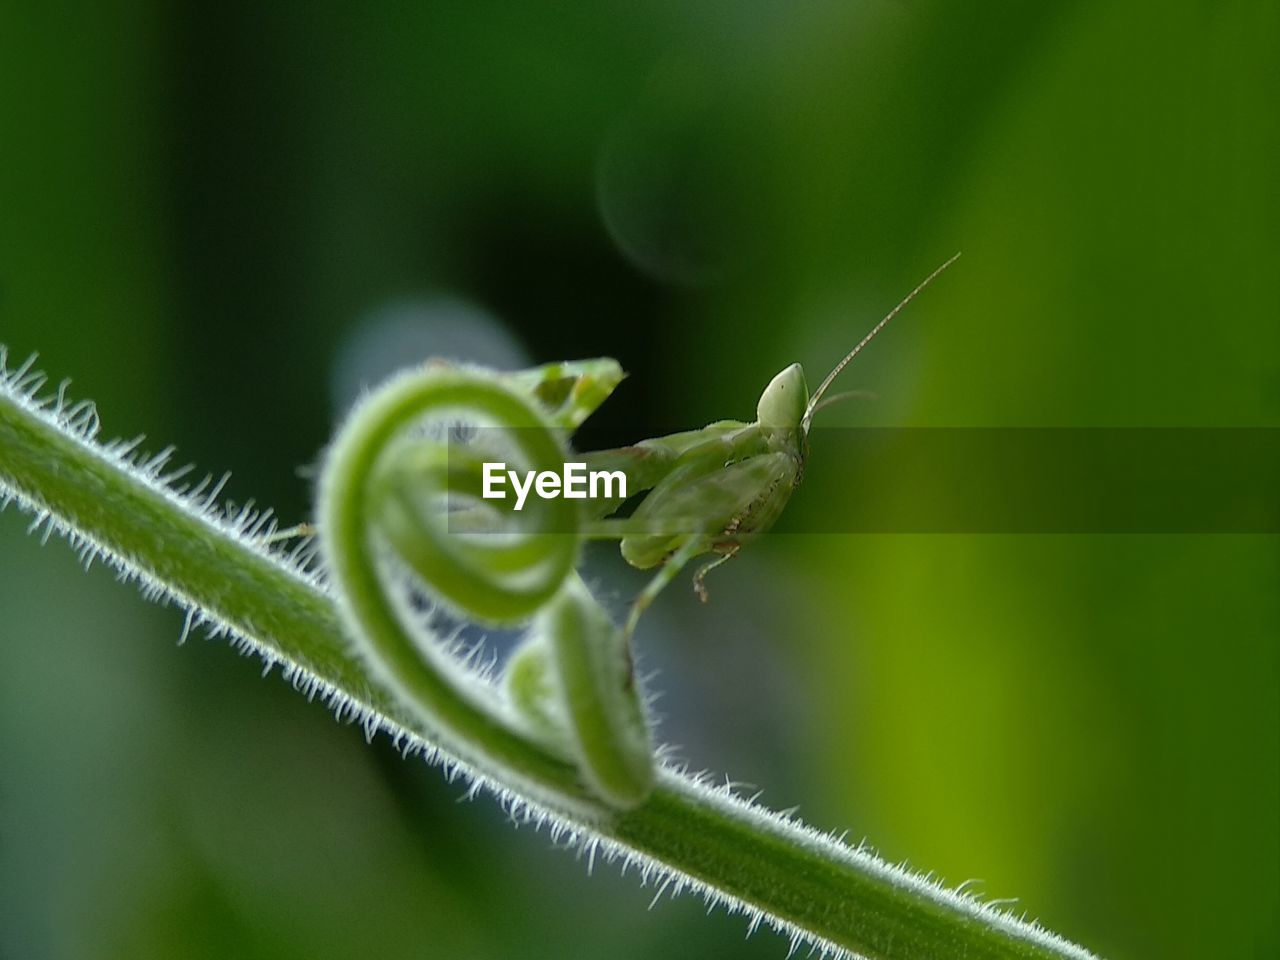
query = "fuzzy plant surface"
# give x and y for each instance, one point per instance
(562, 737)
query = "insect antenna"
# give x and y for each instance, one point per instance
(815, 401)
(844, 395)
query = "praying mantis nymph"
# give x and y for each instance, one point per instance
(406, 481)
(711, 490)
(714, 490)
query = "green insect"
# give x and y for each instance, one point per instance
(710, 491)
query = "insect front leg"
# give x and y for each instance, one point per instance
(569, 391)
(647, 464)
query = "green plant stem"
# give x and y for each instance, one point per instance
(688, 834)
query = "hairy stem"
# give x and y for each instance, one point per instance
(686, 835)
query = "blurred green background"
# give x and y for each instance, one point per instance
(220, 219)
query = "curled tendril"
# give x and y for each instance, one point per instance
(400, 493)
(501, 572)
